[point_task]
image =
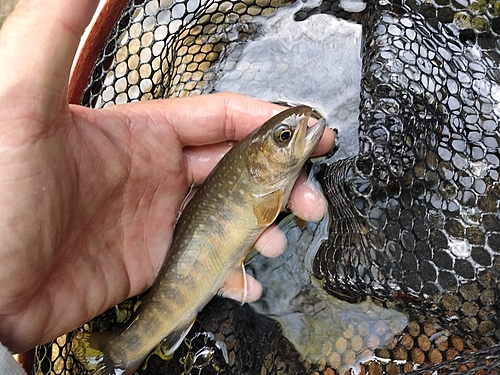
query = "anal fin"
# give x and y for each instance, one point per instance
(170, 343)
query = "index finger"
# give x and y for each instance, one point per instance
(214, 118)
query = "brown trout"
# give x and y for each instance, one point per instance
(240, 198)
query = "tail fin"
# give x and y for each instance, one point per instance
(97, 352)
(90, 350)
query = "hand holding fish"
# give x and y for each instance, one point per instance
(89, 198)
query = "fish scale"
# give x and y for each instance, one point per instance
(425, 183)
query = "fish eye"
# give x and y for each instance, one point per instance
(282, 134)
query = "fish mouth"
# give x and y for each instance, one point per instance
(313, 135)
(314, 132)
(305, 138)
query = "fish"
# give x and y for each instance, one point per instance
(239, 199)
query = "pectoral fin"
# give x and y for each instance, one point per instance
(268, 207)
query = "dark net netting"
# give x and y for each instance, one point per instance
(163, 49)
(409, 255)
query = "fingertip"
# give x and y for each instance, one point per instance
(254, 289)
(327, 142)
(307, 202)
(272, 242)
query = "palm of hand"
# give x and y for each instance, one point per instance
(75, 201)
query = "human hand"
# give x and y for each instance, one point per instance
(89, 198)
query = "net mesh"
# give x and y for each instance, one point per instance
(414, 216)
(416, 213)
(163, 49)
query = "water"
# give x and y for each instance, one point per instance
(322, 328)
(316, 62)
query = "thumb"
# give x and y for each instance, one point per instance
(37, 45)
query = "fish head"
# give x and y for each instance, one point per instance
(277, 151)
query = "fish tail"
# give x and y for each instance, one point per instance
(90, 349)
